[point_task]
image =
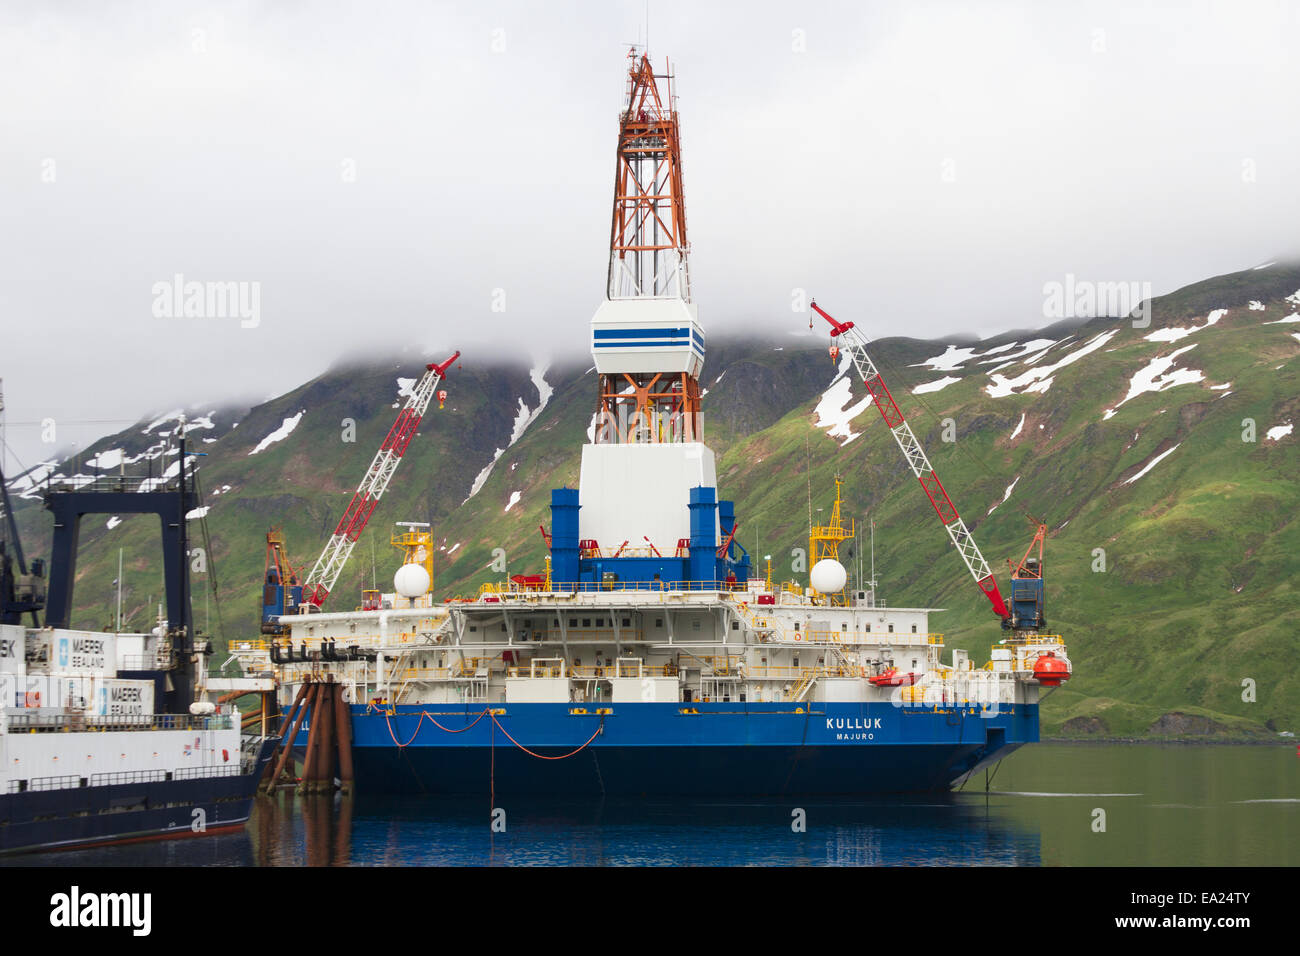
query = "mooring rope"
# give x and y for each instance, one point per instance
(543, 756)
(388, 719)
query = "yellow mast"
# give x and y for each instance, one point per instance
(824, 540)
(417, 542)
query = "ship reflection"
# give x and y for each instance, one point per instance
(426, 831)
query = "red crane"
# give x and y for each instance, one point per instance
(330, 564)
(855, 343)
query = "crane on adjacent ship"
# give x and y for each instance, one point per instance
(1025, 613)
(324, 574)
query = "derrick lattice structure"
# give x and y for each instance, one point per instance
(641, 401)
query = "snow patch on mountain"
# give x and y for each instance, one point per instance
(1007, 494)
(950, 360)
(935, 386)
(523, 418)
(834, 411)
(1157, 376)
(1152, 463)
(1040, 379)
(280, 434)
(1176, 333)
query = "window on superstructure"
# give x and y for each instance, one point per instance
(627, 622)
(735, 625)
(659, 622)
(600, 622)
(573, 622)
(913, 628)
(891, 629)
(473, 628)
(586, 622)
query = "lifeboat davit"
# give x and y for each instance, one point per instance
(892, 678)
(1050, 670)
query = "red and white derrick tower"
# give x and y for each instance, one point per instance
(647, 450)
(648, 345)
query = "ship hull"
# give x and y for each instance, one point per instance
(90, 816)
(682, 749)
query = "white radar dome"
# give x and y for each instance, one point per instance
(411, 580)
(828, 576)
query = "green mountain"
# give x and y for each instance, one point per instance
(1159, 457)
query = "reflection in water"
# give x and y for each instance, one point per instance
(424, 831)
(1164, 806)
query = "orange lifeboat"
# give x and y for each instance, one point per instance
(892, 678)
(1050, 670)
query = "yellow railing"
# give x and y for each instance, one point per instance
(860, 637)
(535, 671)
(590, 671)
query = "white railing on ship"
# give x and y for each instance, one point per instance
(120, 777)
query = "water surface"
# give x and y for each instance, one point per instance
(1048, 804)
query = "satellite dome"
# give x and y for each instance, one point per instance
(828, 576)
(411, 580)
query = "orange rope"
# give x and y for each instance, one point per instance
(424, 713)
(543, 756)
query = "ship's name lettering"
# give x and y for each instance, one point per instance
(127, 694)
(853, 723)
(7, 648)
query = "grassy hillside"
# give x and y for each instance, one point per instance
(1200, 545)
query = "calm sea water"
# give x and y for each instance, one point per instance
(1162, 806)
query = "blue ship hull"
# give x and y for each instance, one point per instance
(682, 749)
(87, 816)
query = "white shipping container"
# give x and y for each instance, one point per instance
(13, 650)
(123, 698)
(89, 653)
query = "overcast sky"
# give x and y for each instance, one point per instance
(381, 169)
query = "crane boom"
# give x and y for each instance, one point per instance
(338, 549)
(855, 343)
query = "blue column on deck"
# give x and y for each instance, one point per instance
(564, 535)
(704, 543)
